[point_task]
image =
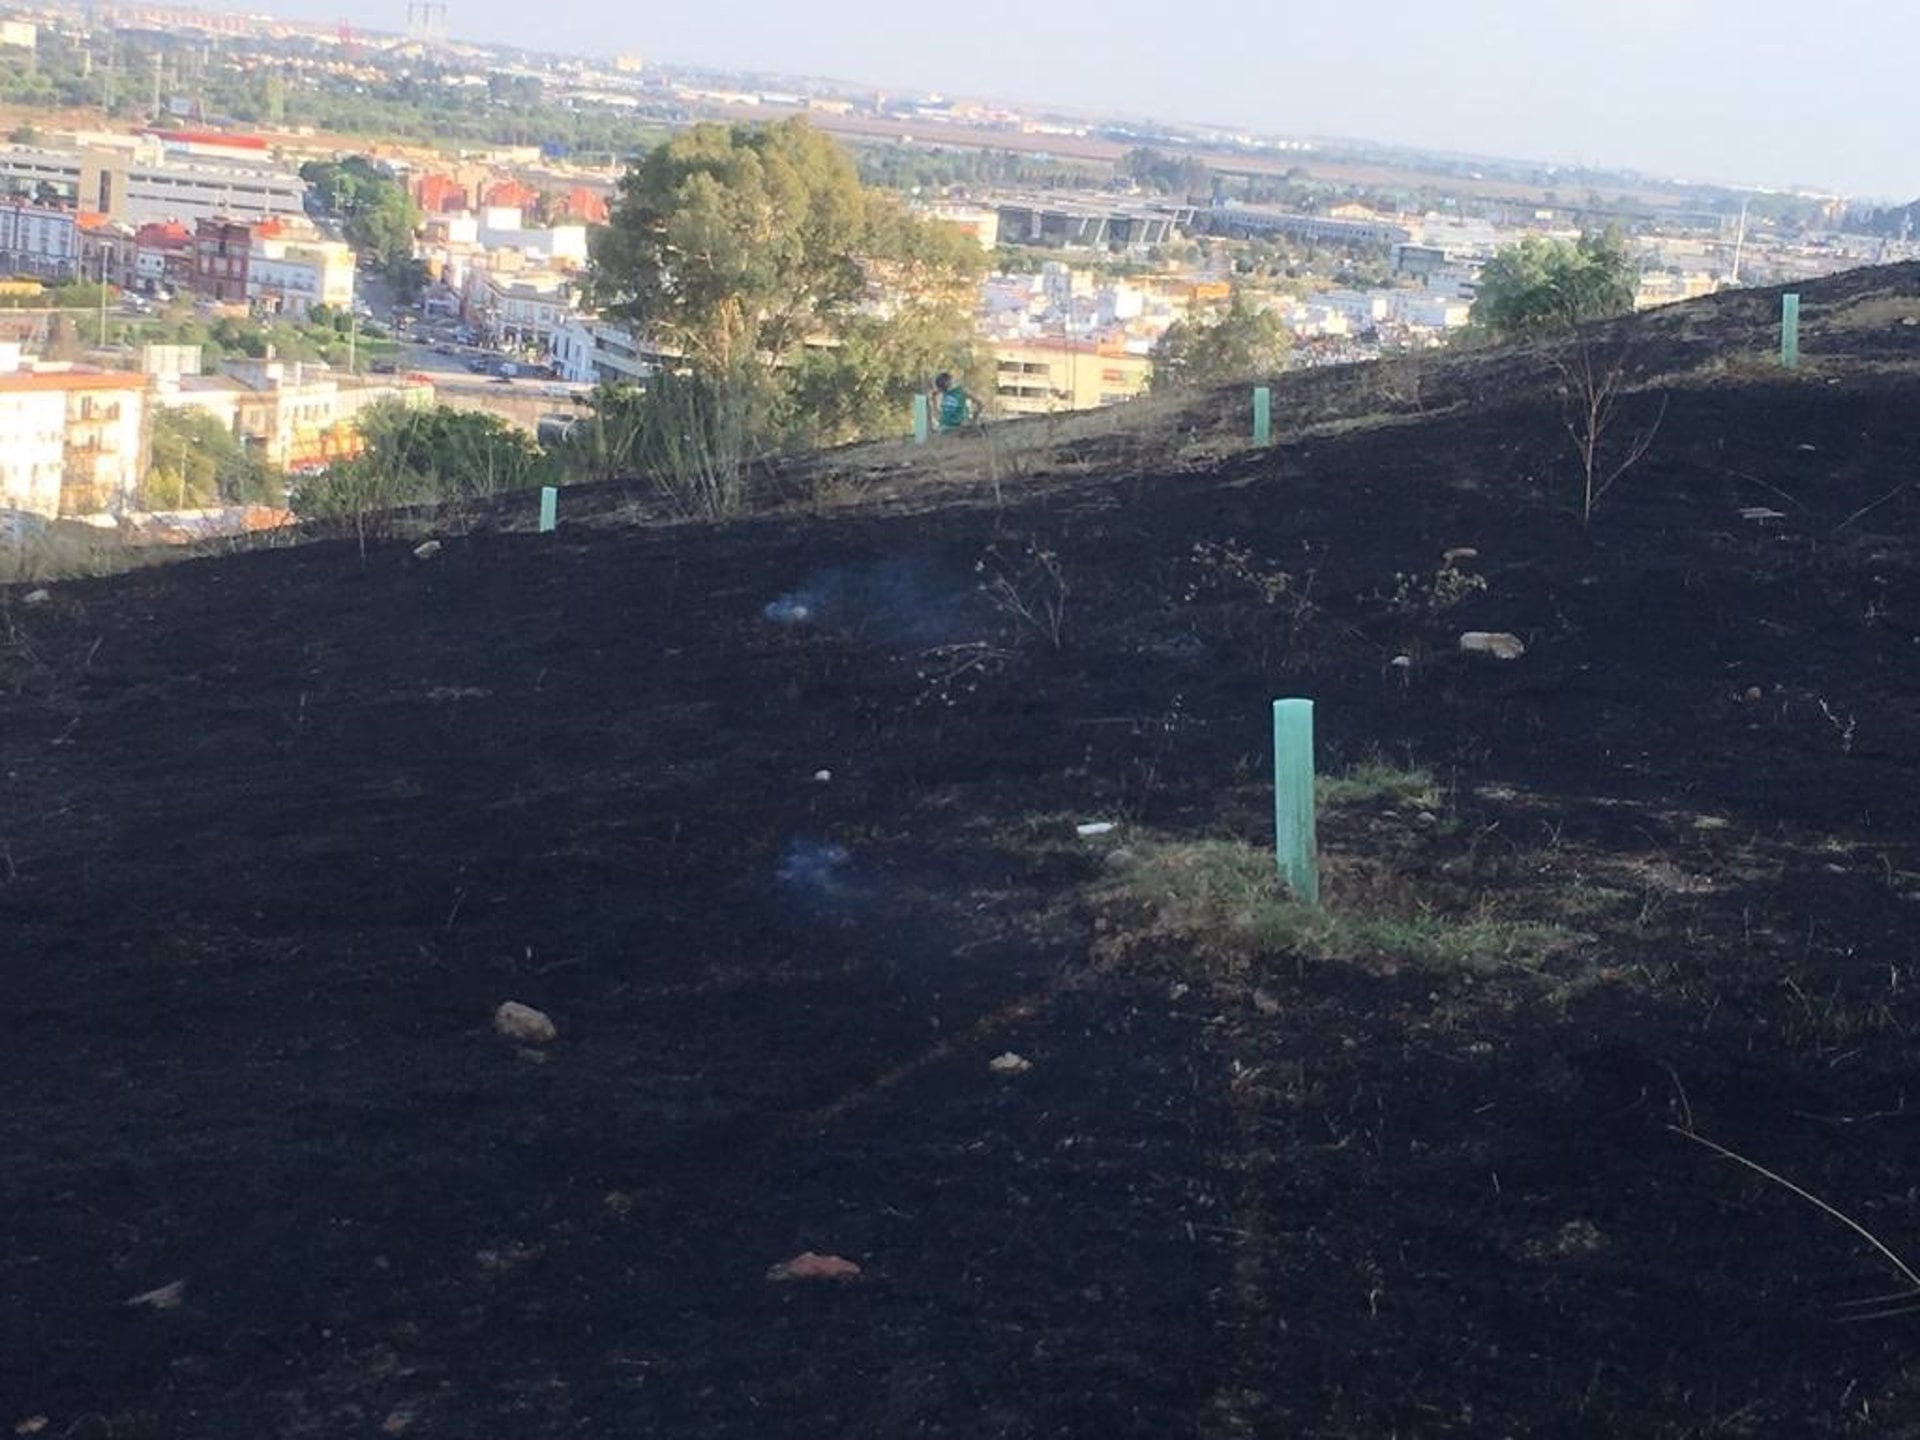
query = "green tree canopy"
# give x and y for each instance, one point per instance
(416, 456)
(1543, 286)
(196, 462)
(756, 250)
(1238, 343)
(378, 217)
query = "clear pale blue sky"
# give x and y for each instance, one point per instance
(1773, 92)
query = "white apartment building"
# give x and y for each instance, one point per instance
(503, 227)
(596, 352)
(456, 245)
(72, 442)
(33, 445)
(290, 277)
(1363, 309)
(526, 307)
(572, 350)
(1429, 311)
(38, 240)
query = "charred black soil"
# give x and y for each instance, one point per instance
(777, 821)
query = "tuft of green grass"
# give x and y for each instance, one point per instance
(1375, 781)
(1226, 902)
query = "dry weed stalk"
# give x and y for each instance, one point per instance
(1892, 1305)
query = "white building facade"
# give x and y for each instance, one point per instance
(39, 240)
(290, 277)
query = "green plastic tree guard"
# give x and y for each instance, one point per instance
(922, 419)
(1295, 845)
(1262, 415)
(1790, 331)
(549, 508)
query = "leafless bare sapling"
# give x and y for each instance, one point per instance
(1029, 587)
(1593, 381)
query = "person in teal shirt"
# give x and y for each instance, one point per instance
(952, 406)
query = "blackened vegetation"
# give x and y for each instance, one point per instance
(281, 831)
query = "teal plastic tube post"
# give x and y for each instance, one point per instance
(1790, 331)
(922, 419)
(549, 508)
(1262, 415)
(1295, 844)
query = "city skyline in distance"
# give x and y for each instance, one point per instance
(1699, 90)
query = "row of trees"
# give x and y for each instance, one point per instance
(801, 307)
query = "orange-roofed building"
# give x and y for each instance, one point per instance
(587, 206)
(437, 194)
(510, 194)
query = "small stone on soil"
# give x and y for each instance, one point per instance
(1266, 1003)
(36, 597)
(1499, 644)
(426, 550)
(809, 1266)
(167, 1297)
(524, 1024)
(1010, 1064)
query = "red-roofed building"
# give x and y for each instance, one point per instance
(588, 207)
(163, 256)
(208, 141)
(437, 194)
(513, 194)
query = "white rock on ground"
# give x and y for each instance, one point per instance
(524, 1024)
(1498, 644)
(167, 1297)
